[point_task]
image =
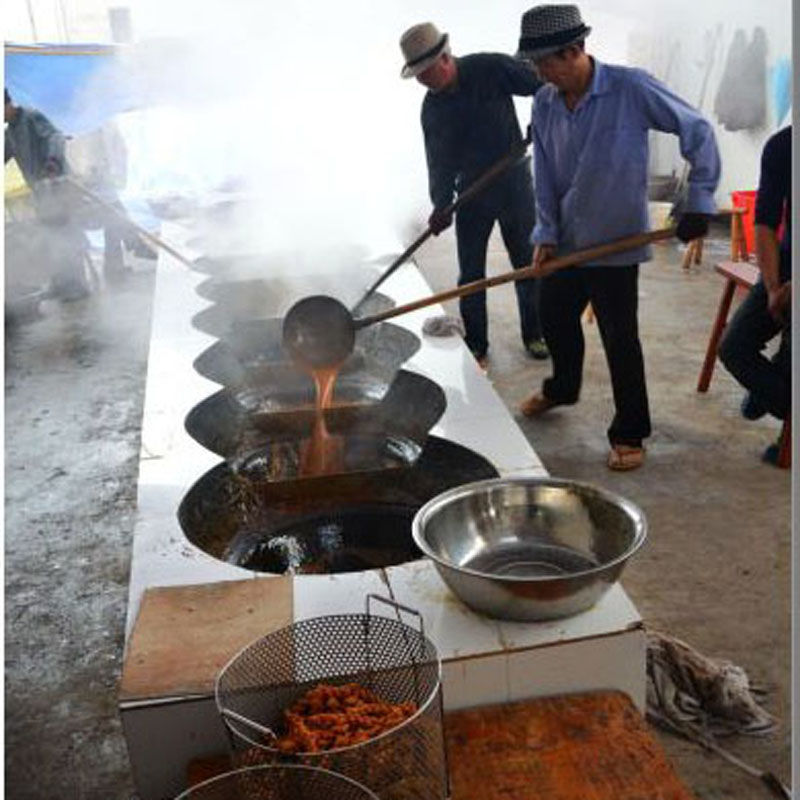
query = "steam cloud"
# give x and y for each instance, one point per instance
(302, 104)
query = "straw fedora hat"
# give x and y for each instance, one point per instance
(421, 45)
(548, 29)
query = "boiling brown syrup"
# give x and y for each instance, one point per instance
(323, 453)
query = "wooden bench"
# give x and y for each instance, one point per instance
(738, 274)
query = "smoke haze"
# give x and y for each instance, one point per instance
(305, 105)
(302, 106)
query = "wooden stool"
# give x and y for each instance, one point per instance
(693, 254)
(738, 241)
(738, 273)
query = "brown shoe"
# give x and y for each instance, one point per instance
(622, 457)
(536, 404)
(483, 362)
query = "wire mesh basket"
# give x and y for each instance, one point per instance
(279, 782)
(385, 655)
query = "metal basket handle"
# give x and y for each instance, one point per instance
(398, 607)
(262, 729)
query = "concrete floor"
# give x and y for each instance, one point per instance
(715, 571)
(74, 395)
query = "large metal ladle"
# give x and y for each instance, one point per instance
(319, 332)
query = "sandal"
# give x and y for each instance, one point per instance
(535, 405)
(623, 457)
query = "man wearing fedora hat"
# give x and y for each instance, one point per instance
(469, 123)
(590, 125)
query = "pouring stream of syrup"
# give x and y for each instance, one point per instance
(322, 453)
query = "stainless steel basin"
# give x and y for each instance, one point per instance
(529, 548)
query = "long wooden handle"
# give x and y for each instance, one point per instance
(122, 215)
(497, 169)
(569, 260)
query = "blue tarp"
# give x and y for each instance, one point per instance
(781, 83)
(77, 86)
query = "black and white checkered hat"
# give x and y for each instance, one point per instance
(548, 29)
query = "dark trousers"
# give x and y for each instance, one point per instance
(613, 293)
(741, 351)
(113, 237)
(513, 209)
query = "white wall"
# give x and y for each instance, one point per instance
(685, 29)
(57, 21)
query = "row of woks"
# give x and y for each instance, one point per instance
(256, 509)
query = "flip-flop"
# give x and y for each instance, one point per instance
(535, 405)
(623, 457)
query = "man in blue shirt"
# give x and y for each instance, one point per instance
(765, 312)
(590, 126)
(469, 123)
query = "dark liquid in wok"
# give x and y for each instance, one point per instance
(346, 540)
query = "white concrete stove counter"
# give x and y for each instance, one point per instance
(484, 660)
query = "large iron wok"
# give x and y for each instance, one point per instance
(242, 302)
(340, 523)
(258, 442)
(252, 357)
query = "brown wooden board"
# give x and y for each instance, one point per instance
(592, 746)
(184, 635)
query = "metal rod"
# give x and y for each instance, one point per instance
(122, 215)
(569, 260)
(263, 730)
(691, 732)
(477, 186)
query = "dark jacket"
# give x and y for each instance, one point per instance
(34, 141)
(472, 125)
(774, 199)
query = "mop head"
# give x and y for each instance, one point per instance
(688, 692)
(443, 325)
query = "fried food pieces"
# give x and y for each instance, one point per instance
(328, 717)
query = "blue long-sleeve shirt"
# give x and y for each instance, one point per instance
(473, 124)
(590, 164)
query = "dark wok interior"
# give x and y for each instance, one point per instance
(234, 430)
(251, 349)
(255, 300)
(341, 523)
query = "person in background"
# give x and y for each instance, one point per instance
(100, 158)
(765, 312)
(590, 129)
(38, 148)
(469, 123)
